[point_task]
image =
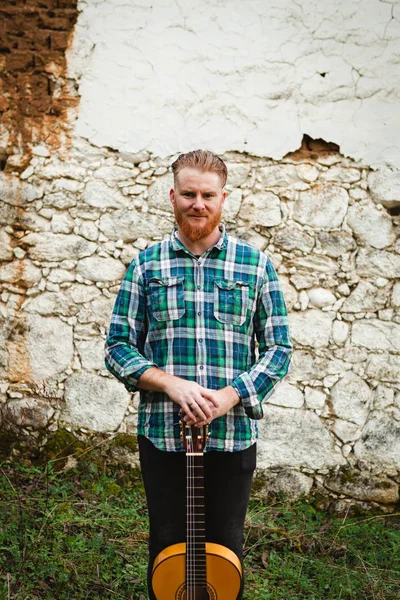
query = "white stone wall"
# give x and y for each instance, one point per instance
(76, 222)
(246, 81)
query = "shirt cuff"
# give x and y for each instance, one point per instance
(131, 375)
(247, 393)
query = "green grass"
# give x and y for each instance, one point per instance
(81, 533)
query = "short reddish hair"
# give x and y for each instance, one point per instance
(204, 161)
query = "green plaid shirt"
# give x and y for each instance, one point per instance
(199, 319)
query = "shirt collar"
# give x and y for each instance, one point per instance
(220, 244)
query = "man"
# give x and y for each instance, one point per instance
(185, 323)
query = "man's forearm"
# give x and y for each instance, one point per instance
(156, 380)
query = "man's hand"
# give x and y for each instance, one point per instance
(196, 402)
(223, 401)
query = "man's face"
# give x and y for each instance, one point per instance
(197, 199)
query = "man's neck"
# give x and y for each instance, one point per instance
(199, 246)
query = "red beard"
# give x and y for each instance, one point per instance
(196, 233)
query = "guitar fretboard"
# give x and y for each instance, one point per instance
(196, 575)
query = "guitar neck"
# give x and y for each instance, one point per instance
(195, 521)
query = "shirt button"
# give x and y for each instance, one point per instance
(201, 367)
(199, 313)
(200, 340)
(199, 287)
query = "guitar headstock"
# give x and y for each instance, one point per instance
(194, 438)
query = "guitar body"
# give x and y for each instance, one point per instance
(224, 574)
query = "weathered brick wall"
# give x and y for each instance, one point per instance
(35, 94)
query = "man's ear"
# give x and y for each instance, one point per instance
(223, 196)
(172, 196)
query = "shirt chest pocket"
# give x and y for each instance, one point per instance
(231, 301)
(166, 298)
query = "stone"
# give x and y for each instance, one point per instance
(384, 186)
(81, 293)
(50, 303)
(295, 438)
(91, 353)
(306, 367)
(379, 444)
(336, 243)
(364, 486)
(292, 484)
(94, 402)
(6, 251)
(365, 298)
(99, 311)
(313, 262)
(320, 297)
(396, 295)
(384, 367)
(311, 328)
(130, 225)
(373, 227)
(302, 280)
(62, 223)
(346, 431)
(63, 171)
(278, 175)
(159, 193)
(56, 247)
(340, 332)
(96, 268)
(378, 263)
(351, 354)
(375, 334)
(40, 151)
(60, 200)
(307, 172)
(115, 173)
(20, 272)
(61, 275)
(383, 397)
(89, 230)
(28, 412)
(289, 292)
(287, 395)
(315, 399)
(100, 195)
(351, 399)
(237, 174)
(16, 192)
(232, 205)
(262, 209)
(292, 237)
(303, 300)
(324, 206)
(41, 348)
(340, 174)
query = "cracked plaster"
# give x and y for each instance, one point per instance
(168, 76)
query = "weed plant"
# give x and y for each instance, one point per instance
(81, 533)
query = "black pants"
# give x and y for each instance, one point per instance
(227, 483)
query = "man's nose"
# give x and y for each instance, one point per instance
(198, 202)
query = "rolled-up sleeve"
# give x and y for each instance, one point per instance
(274, 344)
(125, 341)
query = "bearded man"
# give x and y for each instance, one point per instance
(184, 329)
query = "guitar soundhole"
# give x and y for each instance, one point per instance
(196, 593)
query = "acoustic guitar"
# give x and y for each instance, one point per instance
(196, 570)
